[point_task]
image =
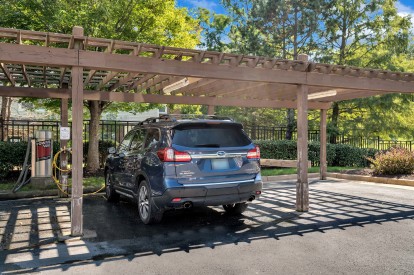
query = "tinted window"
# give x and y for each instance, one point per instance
(153, 136)
(124, 146)
(205, 135)
(137, 141)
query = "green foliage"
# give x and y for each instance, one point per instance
(395, 161)
(156, 22)
(336, 154)
(348, 155)
(12, 155)
(213, 29)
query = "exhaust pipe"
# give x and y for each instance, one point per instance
(251, 198)
(187, 204)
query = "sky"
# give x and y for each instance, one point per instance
(404, 7)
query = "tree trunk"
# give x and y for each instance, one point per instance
(290, 123)
(4, 115)
(92, 164)
(334, 120)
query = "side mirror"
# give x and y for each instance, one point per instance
(111, 150)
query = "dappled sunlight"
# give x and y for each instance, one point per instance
(30, 230)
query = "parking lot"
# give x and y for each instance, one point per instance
(353, 227)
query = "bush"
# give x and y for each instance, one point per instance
(348, 155)
(336, 154)
(12, 155)
(395, 161)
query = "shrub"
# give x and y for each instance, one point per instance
(348, 155)
(393, 162)
(336, 154)
(12, 155)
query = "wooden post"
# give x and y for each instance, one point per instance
(323, 164)
(63, 176)
(210, 110)
(77, 141)
(302, 185)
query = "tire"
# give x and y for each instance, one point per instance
(111, 195)
(147, 211)
(236, 208)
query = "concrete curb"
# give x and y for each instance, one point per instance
(372, 179)
(35, 193)
(286, 177)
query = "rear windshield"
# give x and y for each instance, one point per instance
(210, 135)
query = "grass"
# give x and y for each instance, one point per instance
(87, 182)
(290, 171)
(99, 181)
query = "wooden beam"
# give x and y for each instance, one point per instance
(280, 163)
(92, 73)
(59, 57)
(323, 139)
(37, 55)
(152, 98)
(359, 83)
(302, 185)
(77, 143)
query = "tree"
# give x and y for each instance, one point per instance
(156, 21)
(352, 31)
(213, 29)
(283, 28)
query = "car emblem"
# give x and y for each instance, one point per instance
(221, 153)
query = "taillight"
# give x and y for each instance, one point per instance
(254, 153)
(171, 155)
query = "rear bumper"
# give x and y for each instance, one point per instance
(209, 194)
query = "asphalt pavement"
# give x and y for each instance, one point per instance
(351, 228)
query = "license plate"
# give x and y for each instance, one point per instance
(220, 164)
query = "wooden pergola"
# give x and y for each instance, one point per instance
(76, 67)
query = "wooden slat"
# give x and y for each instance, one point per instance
(302, 185)
(197, 84)
(92, 73)
(7, 73)
(25, 75)
(280, 163)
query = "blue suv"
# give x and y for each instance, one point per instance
(173, 162)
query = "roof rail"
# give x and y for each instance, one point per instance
(176, 117)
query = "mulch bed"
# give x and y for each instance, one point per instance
(368, 172)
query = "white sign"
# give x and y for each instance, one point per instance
(64, 133)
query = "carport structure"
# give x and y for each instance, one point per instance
(76, 67)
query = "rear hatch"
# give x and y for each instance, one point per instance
(220, 152)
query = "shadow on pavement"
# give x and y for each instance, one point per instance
(29, 228)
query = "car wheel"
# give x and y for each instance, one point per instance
(235, 208)
(146, 208)
(111, 195)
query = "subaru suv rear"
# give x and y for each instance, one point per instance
(181, 162)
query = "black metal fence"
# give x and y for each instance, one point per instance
(22, 130)
(19, 130)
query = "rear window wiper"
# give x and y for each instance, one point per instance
(207, 145)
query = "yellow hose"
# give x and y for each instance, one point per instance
(57, 168)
